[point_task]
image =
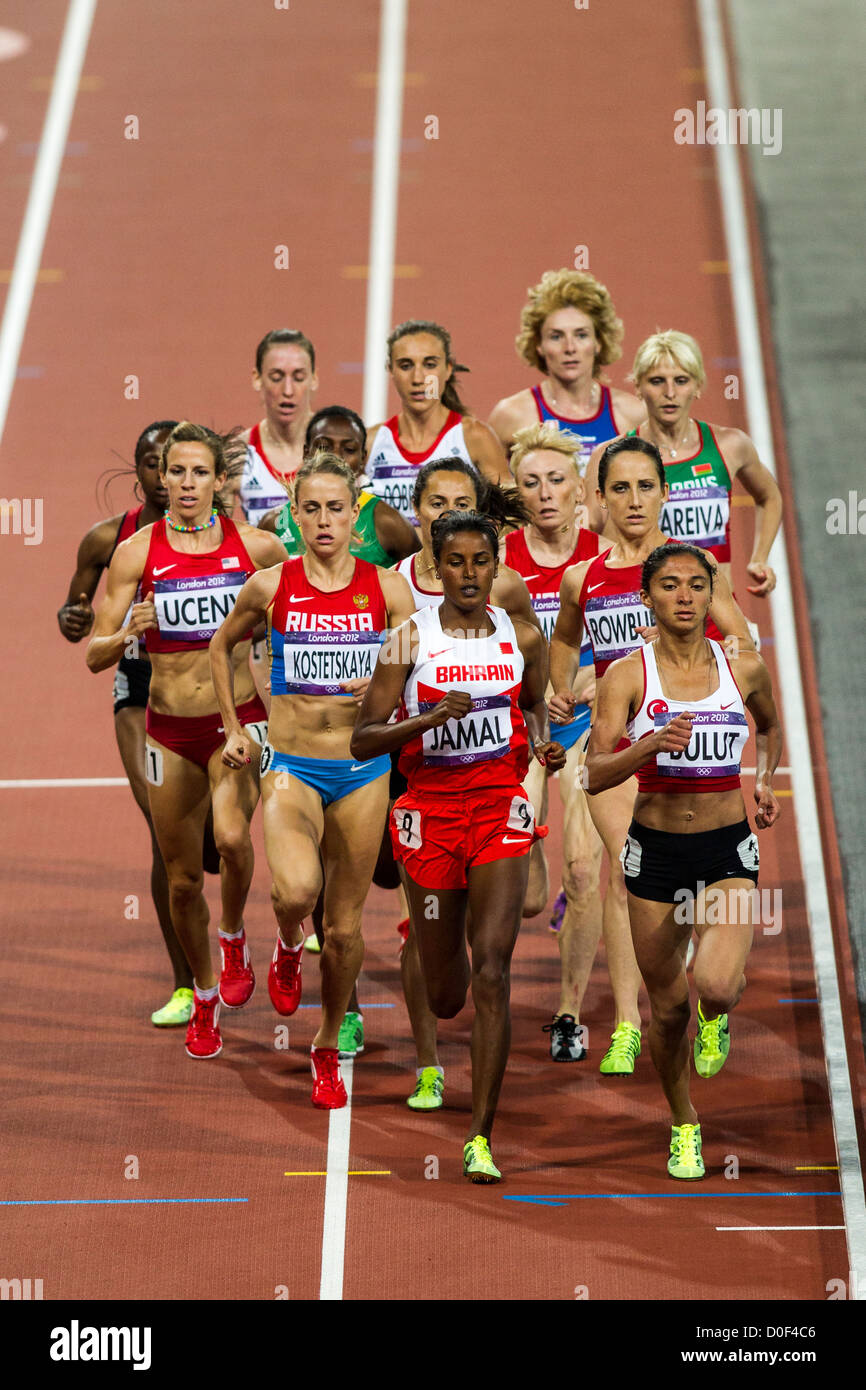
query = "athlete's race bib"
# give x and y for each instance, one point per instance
(715, 748)
(697, 515)
(318, 663)
(395, 483)
(612, 622)
(483, 733)
(191, 610)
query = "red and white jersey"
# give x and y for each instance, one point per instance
(711, 763)
(488, 747)
(193, 593)
(392, 470)
(421, 597)
(262, 487)
(542, 582)
(318, 640)
(612, 611)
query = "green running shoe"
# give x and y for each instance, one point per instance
(712, 1044)
(624, 1047)
(350, 1041)
(685, 1160)
(478, 1165)
(427, 1094)
(176, 1012)
(311, 943)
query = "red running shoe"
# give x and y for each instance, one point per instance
(329, 1093)
(237, 981)
(203, 1034)
(284, 979)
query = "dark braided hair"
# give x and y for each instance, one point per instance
(503, 506)
(653, 562)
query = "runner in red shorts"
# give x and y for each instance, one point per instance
(472, 683)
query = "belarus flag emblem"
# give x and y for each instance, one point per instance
(699, 468)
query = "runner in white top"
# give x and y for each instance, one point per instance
(432, 420)
(285, 378)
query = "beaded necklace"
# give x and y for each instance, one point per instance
(205, 526)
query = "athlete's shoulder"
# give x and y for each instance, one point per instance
(529, 638)
(373, 435)
(261, 546)
(99, 541)
(627, 671)
(734, 445)
(572, 579)
(749, 669)
(628, 411)
(514, 412)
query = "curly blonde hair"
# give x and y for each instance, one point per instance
(574, 289)
(544, 436)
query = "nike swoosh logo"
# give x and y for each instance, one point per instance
(304, 598)
(442, 653)
(733, 702)
(591, 588)
(514, 839)
(526, 577)
(163, 569)
(359, 767)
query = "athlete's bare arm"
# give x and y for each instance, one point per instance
(251, 609)
(725, 612)
(486, 451)
(753, 679)
(531, 699)
(263, 549)
(372, 734)
(565, 644)
(741, 459)
(111, 640)
(510, 592)
(393, 532)
(398, 597)
(511, 414)
(619, 693)
(76, 616)
(269, 520)
(628, 411)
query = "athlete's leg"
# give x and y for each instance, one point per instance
(350, 846)
(179, 796)
(129, 732)
(581, 868)
(724, 914)
(438, 917)
(234, 796)
(293, 824)
(537, 784)
(495, 899)
(611, 813)
(422, 1019)
(660, 944)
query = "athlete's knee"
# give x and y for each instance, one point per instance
(232, 841)
(294, 897)
(446, 997)
(341, 936)
(722, 988)
(490, 982)
(580, 877)
(670, 1016)
(185, 885)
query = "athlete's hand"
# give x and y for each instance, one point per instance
(768, 807)
(648, 634)
(551, 755)
(142, 617)
(675, 736)
(455, 705)
(766, 580)
(76, 619)
(236, 751)
(560, 706)
(587, 694)
(357, 689)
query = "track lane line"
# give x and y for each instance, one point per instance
(73, 46)
(781, 600)
(336, 1194)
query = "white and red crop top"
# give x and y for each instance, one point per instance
(488, 747)
(392, 470)
(192, 593)
(711, 763)
(262, 487)
(320, 640)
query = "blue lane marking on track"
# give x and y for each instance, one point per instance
(796, 1001)
(119, 1201)
(556, 1199)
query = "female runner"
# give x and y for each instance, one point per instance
(467, 676)
(381, 535)
(445, 485)
(604, 595)
(131, 684)
(569, 331)
(545, 467)
(323, 811)
(189, 568)
(689, 856)
(432, 421)
(701, 460)
(285, 377)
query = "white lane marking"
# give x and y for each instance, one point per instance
(780, 1228)
(781, 600)
(73, 47)
(64, 782)
(383, 205)
(336, 1193)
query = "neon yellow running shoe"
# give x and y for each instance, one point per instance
(427, 1094)
(311, 943)
(350, 1041)
(685, 1160)
(712, 1044)
(478, 1165)
(176, 1012)
(624, 1048)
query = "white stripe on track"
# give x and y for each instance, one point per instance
(780, 1228)
(336, 1194)
(796, 729)
(65, 782)
(73, 47)
(383, 206)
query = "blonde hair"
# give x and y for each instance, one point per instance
(681, 348)
(569, 289)
(544, 436)
(324, 463)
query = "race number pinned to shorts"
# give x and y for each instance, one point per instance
(258, 731)
(267, 757)
(521, 815)
(408, 825)
(748, 852)
(153, 769)
(630, 857)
